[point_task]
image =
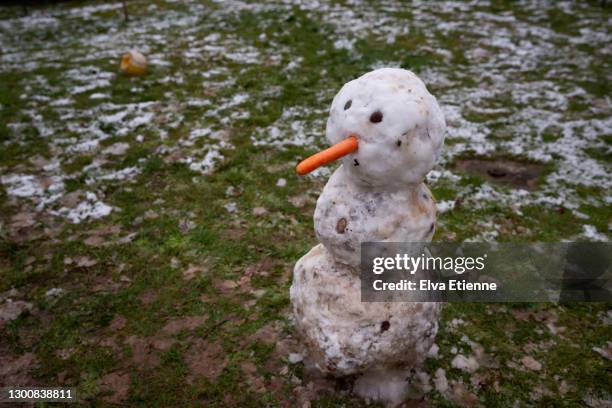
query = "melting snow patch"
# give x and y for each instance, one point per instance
(444, 206)
(22, 185)
(440, 381)
(468, 364)
(196, 133)
(127, 173)
(117, 149)
(591, 233)
(344, 44)
(90, 208)
(54, 292)
(207, 164)
(231, 207)
(293, 128)
(99, 96)
(62, 102)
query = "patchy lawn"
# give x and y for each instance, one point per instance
(149, 226)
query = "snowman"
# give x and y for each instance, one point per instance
(388, 131)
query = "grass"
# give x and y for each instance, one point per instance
(169, 217)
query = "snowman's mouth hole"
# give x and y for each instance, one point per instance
(509, 172)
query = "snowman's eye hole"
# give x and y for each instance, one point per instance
(348, 104)
(376, 117)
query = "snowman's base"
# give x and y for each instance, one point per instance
(392, 387)
(379, 344)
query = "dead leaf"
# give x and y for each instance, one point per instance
(261, 268)
(521, 315)
(259, 211)
(301, 200)
(85, 262)
(531, 363)
(605, 351)
(194, 270)
(126, 239)
(225, 286)
(151, 215)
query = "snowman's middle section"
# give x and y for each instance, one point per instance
(349, 213)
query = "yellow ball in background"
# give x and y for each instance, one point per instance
(133, 63)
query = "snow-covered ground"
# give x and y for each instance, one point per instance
(509, 83)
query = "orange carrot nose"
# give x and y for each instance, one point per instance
(317, 160)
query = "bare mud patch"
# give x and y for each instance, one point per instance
(508, 172)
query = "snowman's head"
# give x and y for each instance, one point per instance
(388, 128)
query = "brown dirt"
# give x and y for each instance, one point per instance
(118, 384)
(183, 323)
(508, 172)
(205, 360)
(17, 370)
